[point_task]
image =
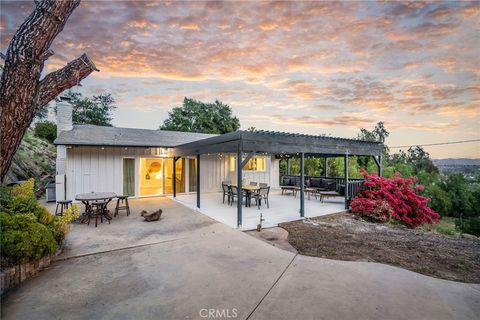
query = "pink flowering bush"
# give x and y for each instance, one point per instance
(384, 199)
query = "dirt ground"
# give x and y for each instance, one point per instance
(345, 237)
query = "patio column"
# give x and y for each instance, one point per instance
(302, 185)
(325, 167)
(174, 177)
(345, 168)
(239, 188)
(380, 169)
(288, 166)
(378, 161)
(198, 181)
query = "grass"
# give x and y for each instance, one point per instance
(445, 226)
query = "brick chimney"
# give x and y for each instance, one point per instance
(64, 115)
(64, 123)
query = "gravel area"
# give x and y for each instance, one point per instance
(346, 237)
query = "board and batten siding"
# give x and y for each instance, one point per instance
(93, 169)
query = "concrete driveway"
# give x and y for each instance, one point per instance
(187, 266)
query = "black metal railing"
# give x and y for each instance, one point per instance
(354, 184)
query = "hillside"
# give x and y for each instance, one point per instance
(462, 165)
(35, 158)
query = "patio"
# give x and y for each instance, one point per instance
(283, 208)
(246, 146)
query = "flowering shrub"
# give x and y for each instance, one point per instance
(384, 199)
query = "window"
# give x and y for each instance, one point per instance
(256, 164)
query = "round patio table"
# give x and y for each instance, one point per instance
(88, 198)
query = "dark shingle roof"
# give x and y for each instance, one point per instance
(89, 135)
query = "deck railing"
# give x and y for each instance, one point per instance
(354, 184)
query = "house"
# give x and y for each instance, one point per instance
(147, 163)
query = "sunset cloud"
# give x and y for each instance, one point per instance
(303, 65)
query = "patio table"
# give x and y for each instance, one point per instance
(249, 190)
(308, 191)
(88, 198)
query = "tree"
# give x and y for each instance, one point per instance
(379, 133)
(22, 92)
(96, 111)
(197, 116)
(46, 130)
(420, 159)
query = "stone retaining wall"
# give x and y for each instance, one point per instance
(15, 275)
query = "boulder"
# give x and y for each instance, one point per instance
(153, 216)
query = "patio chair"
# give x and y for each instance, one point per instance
(262, 185)
(253, 183)
(226, 192)
(234, 194)
(262, 194)
(99, 209)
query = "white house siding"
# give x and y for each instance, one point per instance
(95, 169)
(214, 169)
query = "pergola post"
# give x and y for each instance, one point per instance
(345, 168)
(288, 166)
(175, 176)
(302, 184)
(380, 169)
(378, 161)
(325, 167)
(198, 181)
(239, 188)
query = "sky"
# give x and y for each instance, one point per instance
(310, 67)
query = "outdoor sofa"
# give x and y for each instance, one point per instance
(322, 187)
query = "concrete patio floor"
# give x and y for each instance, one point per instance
(283, 208)
(186, 262)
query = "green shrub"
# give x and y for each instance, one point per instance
(60, 226)
(28, 230)
(23, 239)
(46, 130)
(440, 200)
(469, 225)
(5, 197)
(23, 198)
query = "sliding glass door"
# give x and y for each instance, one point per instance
(192, 175)
(129, 177)
(151, 176)
(156, 176)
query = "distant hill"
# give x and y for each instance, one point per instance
(460, 165)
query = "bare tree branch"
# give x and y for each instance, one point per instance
(21, 91)
(60, 80)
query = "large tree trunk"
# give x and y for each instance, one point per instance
(21, 91)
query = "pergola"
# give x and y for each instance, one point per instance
(246, 144)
